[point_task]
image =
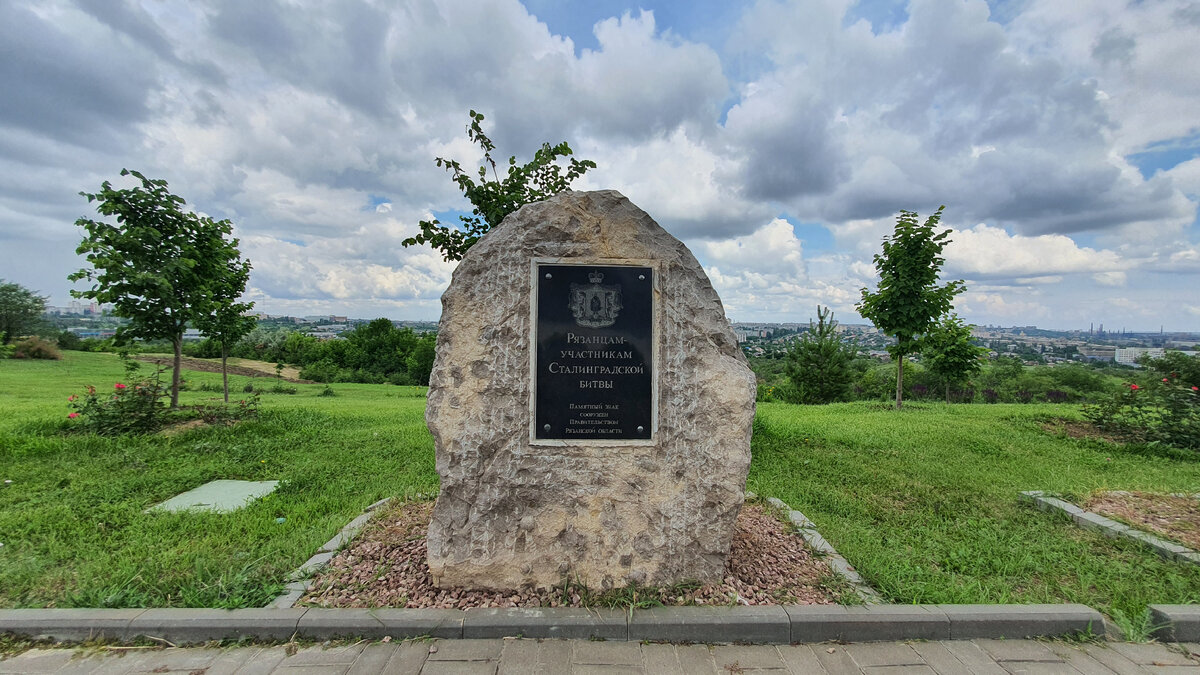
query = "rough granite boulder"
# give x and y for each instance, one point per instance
(514, 514)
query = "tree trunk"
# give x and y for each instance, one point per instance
(899, 381)
(225, 371)
(178, 367)
(947, 392)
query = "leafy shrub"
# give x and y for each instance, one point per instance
(36, 348)
(327, 391)
(246, 408)
(139, 408)
(1166, 411)
(6, 350)
(991, 395)
(69, 341)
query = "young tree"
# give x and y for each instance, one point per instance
(222, 318)
(494, 199)
(20, 311)
(908, 299)
(947, 352)
(152, 265)
(818, 364)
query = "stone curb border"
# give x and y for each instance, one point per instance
(808, 530)
(1176, 623)
(300, 580)
(770, 624)
(1111, 528)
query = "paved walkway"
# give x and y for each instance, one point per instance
(976, 657)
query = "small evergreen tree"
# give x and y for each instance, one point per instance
(20, 311)
(908, 299)
(818, 364)
(947, 352)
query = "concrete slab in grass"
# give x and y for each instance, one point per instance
(546, 622)
(218, 496)
(755, 624)
(1020, 621)
(868, 623)
(69, 624)
(188, 626)
(1178, 623)
(413, 623)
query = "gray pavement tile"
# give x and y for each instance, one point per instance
(910, 669)
(179, 658)
(465, 650)
(93, 664)
(263, 661)
(230, 659)
(1078, 659)
(836, 660)
(459, 668)
(588, 669)
(118, 662)
(519, 655)
(554, 656)
(606, 653)
(1038, 668)
(884, 654)
(799, 659)
(762, 657)
(372, 659)
(318, 655)
(408, 659)
(661, 660)
(315, 669)
(975, 659)
(937, 657)
(1151, 654)
(1111, 659)
(1018, 650)
(695, 659)
(37, 661)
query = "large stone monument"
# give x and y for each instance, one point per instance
(590, 406)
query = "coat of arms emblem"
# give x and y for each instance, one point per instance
(595, 305)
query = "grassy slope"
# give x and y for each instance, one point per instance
(924, 503)
(72, 520)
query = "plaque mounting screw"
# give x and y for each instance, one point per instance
(546, 427)
(641, 429)
(549, 276)
(642, 277)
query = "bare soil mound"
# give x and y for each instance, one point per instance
(243, 367)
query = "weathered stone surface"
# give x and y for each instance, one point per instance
(515, 513)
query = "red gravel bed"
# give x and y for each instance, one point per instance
(385, 567)
(1176, 518)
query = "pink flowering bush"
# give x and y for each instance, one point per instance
(1166, 411)
(137, 408)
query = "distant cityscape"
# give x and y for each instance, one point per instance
(1031, 344)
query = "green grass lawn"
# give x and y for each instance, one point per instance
(923, 502)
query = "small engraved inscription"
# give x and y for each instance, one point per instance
(594, 357)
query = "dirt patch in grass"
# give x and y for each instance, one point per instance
(1173, 517)
(385, 567)
(245, 369)
(1080, 429)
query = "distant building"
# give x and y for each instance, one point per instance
(1098, 353)
(1130, 355)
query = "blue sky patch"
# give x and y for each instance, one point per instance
(1165, 155)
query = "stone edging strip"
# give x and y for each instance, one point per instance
(772, 624)
(301, 580)
(1176, 623)
(808, 530)
(1111, 528)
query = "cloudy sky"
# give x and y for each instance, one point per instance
(777, 139)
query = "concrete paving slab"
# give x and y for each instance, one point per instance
(1037, 668)
(218, 496)
(409, 658)
(518, 656)
(458, 668)
(546, 622)
(229, 660)
(190, 626)
(413, 623)
(661, 660)
(695, 659)
(1152, 654)
(465, 650)
(177, 658)
(76, 625)
(746, 658)
(900, 670)
(975, 659)
(1021, 621)
(1074, 656)
(755, 624)
(821, 623)
(554, 656)
(36, 661)
(606, 670)
(1018, 650)
(799, 659)
(592, 653)
(1112, 660)
(884, 654)
(319, 655)
(263, 661)
(937, 657)
(836, 660)
(372, 658)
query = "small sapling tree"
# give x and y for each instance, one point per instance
(908, 299)
(221, 317)
(818, 364)
(948, 353)
(494, 199)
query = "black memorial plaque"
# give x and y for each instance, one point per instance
(594, 354)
